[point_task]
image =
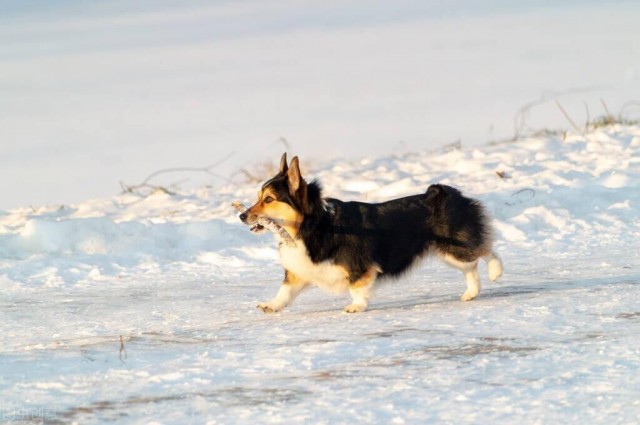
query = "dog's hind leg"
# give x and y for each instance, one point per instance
(289, 290)
(473, 282)
(470, 270)
(359, 291)
(494, 264)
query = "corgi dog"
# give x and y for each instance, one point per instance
(348, 246)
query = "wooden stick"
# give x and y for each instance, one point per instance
(269, 224)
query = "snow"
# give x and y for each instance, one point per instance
(141, 309)
(94, 92)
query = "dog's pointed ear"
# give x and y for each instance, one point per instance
(283, 165)
(297, 185)
(294, 176)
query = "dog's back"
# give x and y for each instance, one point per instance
(396, 233)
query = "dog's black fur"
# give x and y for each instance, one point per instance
(393, 234)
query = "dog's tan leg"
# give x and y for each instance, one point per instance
(289, 290)
(359, 291)
(473, 282)
(470, 270)
(494, 264)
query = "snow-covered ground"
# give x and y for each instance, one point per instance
(138, 309)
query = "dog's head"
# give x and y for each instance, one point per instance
(283, 199)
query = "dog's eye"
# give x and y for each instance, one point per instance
(268, 200)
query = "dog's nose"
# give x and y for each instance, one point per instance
(243, 216)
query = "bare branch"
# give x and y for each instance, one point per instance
(520, 199)
(520, 119)
(284, 142)
(122, 350)
(588, 120)
(566, 115)
(153, 188)
(606, 110)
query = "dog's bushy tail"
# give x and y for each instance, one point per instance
(460, 224)
(466, 225)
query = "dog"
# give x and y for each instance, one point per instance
(348, 246)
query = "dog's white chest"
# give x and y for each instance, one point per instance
(326, 275)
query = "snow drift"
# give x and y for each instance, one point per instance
(142, 309)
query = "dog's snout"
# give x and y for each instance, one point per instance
(244, 217)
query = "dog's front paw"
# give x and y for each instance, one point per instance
(355, 308)
(270, 307)
(469, 295)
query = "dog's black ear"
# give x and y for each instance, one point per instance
(297, 185)
(283, 165)
(294, 177)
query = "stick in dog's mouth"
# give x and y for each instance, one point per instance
(257, 228)
(265, 224)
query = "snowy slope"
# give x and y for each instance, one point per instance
(118, 89)
(141, 310)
